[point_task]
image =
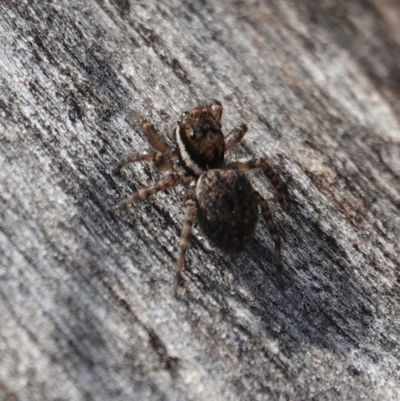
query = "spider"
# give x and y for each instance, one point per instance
(220, 196)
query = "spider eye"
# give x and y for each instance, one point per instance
(184, 114)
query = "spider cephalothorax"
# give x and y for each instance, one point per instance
(221, 198)
(199, 139)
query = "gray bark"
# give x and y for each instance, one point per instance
(86, 304)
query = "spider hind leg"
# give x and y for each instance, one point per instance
(266, 211)
(186, 236)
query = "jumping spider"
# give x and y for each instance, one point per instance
(220, 196)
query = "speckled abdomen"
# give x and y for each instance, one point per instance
(227, 208)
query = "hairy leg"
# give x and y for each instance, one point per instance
(235, 136)
(144, 193)
(266, 211)
(159, 160)
(190, 213)
(268, 171)
(215, 107)
(154, 138)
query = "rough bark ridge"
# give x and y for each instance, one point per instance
(86, 305)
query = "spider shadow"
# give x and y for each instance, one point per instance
(321, 302)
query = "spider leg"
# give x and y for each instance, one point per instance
(266, 211)
(186, 236)
(144, 193)
(268, 171)
(215, 107)
(235, 136)
(154, 138)
(160, 161)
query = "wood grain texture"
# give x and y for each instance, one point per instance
(86, 304)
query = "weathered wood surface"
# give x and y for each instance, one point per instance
(86, 304)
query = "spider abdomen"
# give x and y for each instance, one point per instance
(227, 208)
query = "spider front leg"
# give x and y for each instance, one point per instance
(268, 171)
(266, 211)
(160, 161)
(235, 136)
(154, 138)
(171, 181)
(190, 204)
(215, 108)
